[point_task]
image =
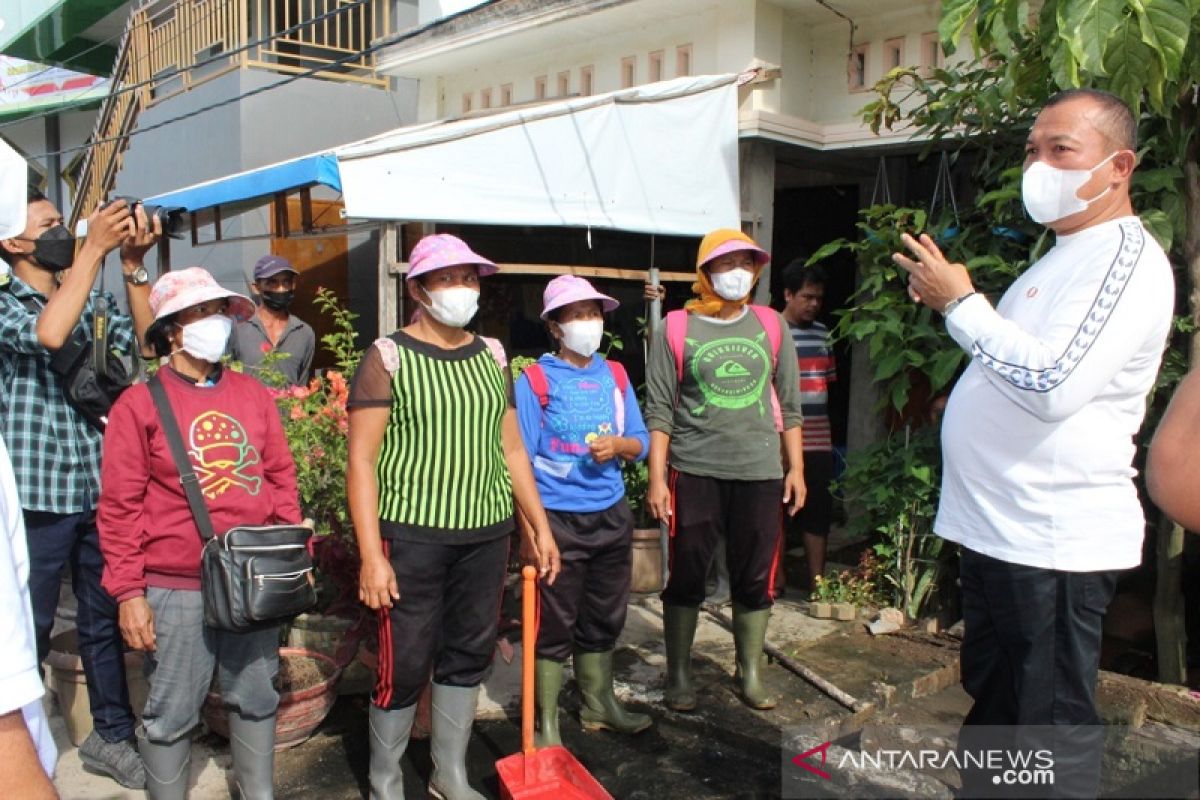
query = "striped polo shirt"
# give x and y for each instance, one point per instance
(441, 469)
(814, 353)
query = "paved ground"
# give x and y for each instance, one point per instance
(725, 750)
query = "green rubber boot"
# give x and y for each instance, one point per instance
(749, 633)
(679, 628)
(601, 710)
(548, 675)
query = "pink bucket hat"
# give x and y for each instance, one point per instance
(443, 250)
(184, 288)
(567, 289)
(727, 240)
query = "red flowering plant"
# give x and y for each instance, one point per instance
(316, 424)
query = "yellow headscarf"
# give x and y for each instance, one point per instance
(717, 243)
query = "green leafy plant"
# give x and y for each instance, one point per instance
(315, 422)
(519, 364)
(859, 586)
(895, 486)
(907, 341)
(636, 476)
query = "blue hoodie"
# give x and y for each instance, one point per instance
(582, 406)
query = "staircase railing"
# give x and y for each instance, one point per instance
(171, 46)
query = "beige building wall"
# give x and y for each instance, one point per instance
(811, 104)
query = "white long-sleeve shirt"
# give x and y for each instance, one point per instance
(1037, 437)
(20, 674)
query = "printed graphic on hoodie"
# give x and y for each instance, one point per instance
(731, 373)
(221, 454)
(586, 414)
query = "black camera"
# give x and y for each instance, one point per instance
(173, 219)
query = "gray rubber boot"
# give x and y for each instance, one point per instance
(453, 713)
(601, 710)
(167, 771)
(679, 629)
(549, 678)
(389, 740)
(252, 742)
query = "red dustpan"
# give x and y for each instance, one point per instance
(551, 772)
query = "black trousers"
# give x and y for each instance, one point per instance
(445, 621)
(747, 513)
(1030, 657)
(587, 603)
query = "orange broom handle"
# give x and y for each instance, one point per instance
(528, 644)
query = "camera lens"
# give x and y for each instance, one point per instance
(172, 219)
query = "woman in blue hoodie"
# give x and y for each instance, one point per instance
(580, 420)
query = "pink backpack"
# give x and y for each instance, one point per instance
(767, 317)
(541, 388)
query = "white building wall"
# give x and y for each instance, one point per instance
(824, 95)
(431, 10)
(704, 33)
(811, 48)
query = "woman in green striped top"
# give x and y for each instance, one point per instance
(435, 463)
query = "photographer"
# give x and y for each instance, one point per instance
(56, 450)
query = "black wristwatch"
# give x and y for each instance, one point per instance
(139, 277)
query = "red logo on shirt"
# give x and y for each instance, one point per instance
(1032, 293)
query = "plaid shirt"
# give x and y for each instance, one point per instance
(55, 452)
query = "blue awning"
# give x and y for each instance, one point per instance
(285, 176)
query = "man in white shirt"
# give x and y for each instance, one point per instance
(27, 753)
(1038, 433)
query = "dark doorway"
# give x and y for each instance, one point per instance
(805, 219)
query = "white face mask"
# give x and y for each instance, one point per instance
(206, 338)
(1049, 193)
(733, 285)
(454, 306)
(582, 336)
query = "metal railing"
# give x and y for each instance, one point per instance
(171, 46)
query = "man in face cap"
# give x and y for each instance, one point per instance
(274, 329)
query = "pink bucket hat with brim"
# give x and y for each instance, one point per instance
(442, 250)
(184, 288)
(727, 240)
(567, 289)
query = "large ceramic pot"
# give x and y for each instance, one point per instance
(69, 684)
(308, 692)
(647, 561)
(326, 634)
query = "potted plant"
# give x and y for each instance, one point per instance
(647, 533)
(843, 594)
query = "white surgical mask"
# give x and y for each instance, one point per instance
(1049, 193)
(733, 285)
(454, 306)
(206, 338)
(583, 336)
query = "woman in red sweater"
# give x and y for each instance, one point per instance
(151, 544)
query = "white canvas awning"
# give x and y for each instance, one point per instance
(660, 158)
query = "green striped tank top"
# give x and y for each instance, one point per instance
(441, 467)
